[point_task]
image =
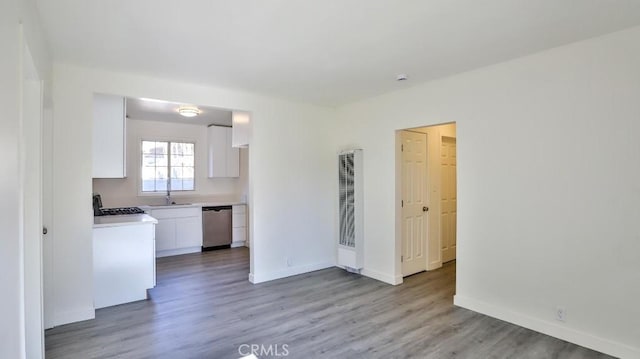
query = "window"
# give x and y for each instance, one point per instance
(161, 158)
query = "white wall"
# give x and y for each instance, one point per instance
(12, 310)
(12, 325)
(72, 210)
(291, 162)
(292, 178)
(548, 186)
(117, 192)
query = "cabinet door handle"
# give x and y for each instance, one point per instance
(425, 209)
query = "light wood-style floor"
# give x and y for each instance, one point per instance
(204, 307)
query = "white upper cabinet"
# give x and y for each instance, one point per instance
(224, 160)
(109, 132)
(241, 129)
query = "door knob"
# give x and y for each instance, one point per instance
(425, 209)
(44, 230)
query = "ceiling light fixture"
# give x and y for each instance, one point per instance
(402, 77)
(188, 111)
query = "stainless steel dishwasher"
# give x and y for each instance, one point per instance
(216, 227)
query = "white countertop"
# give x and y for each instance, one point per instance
(123, 220)
(214, 204)
(188, 205)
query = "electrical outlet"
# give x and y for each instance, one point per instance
(561, 314)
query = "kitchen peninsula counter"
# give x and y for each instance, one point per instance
(123, 220)
(124, 265)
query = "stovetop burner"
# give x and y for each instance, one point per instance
(120, 211)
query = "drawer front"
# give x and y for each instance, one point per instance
(239, 220)
(176, 212)
(239, 235)
(239, 208)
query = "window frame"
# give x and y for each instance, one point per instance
(168, 141)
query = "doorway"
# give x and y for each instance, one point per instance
(426, 183)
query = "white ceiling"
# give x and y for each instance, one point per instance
(328, 52)
(165, 111)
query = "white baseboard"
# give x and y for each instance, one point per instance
(288, 272)
(393, 280)
(434, 265)
(550, 328)
(73, 316)
(237, 244)
(175, 252)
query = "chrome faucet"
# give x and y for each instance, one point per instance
(168, 197)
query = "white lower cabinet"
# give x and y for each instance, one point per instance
(165, 234)
(188, 232)
(124, 266)
(239, 226)
(179, 230)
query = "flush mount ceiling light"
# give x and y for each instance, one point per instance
(188, 111)
(402, 77)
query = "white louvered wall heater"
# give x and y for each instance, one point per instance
(350, 244)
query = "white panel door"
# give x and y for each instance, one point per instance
(414, 206)
(448, 196)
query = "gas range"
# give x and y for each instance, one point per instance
(118, 211)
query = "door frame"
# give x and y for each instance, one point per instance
(30, 152)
